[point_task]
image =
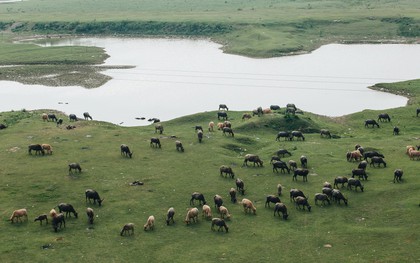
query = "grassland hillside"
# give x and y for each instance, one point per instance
(378, 225)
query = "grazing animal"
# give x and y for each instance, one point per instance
(59, 122)
(223, 107)
(248, 206)
(70, 127)
(52, 117)
(292, 164)
(192, 214)
(198, 128)
(218, 201)
(417, 112)
(322, 197)
(354, 155)
(274, 107)
(356, 183)
(327, 184)
(396, 131)
(246, 116)
(211, 126)
(258, 112)
(37, 148)
(206, 211)
(47, 148)
(159, 128)
(73, 117)
(301, 172)
(220, 125)
(253, 158)
(41, 218)
(362, 165)
(127, 229)
(325, 133)
(197, 196)
(2, 126)
(302, 201)
(224, 212)
(283, 152)
(377, 160)
(297, 134)
(200, 136)
(125, 150)
(409, 148)
(384, 117)
(267, 111)
(271, 199)
(327, 191)
(274, 158)
(90, 214)
(87, 116)
(414, 154)
(92, 194)
(279, 189)
(359, 172)
(227, 130)
(283, 134)
(280, 207)
(371, 154)
(295, 193)
(232, 193)
(222, 114)
(178, 146)
(220, 223)
(58, 221)
(67, 208)
(304, 161)
(227, 124)
(44, 117)
(280, 165)
(150, 223)
(18, 214)
(398, 173)
(371, 122)
(240, 186)
(155, 142)
(75, 166)
(170, 216)
(53, 213)
(340, 180)
(154, 120)
(337, 196)
(226, 170)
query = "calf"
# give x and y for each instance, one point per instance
(354, 182)
(92, 194)
(41, 218)
(220, 223)
(271, 199)
(302, 201)
(75, 166)
(321, 197)
(280, 207)
(155, 142)
(197, 196)
(37, 148)
(90, 215)
(240, 186)
(125, 150)
(398, 173)
(67, 208)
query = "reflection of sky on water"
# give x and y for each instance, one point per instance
(173, 78)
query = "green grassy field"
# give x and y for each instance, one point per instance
(379, 224)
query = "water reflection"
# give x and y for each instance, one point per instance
(175, 77)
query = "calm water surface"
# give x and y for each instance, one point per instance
(173, 78)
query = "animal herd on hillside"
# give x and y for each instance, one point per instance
(328, 193)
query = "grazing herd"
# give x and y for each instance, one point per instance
(329, 193)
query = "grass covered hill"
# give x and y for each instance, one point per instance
(378, 225)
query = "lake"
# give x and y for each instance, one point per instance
(177, 77)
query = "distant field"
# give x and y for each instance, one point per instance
(253, 28)
(378, 225)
